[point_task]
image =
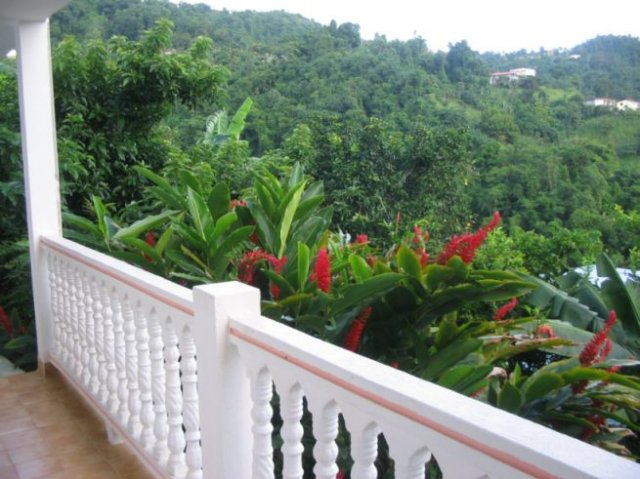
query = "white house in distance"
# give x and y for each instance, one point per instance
(513, 75)
(620, 105)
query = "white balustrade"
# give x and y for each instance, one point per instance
(186, 378)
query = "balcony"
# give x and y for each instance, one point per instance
(178, 383)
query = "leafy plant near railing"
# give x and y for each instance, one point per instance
(426, 314)
(586, 306)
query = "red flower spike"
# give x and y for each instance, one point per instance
(502, 312)
(322, 270)
(352, 339)
(424, 257)
(466, 245)
(5, 322)
(150, 239)
(599, 347)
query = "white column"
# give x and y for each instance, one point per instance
(40, 160)
(223, 384)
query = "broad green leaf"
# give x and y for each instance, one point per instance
(623, 298)
(219, 200)
(408, 262)
(200, 214)
(510, 398)
(187, 178)
(222, 226)
(303, 263)
(233, 239)
(190, 235)
(466, 378)
(306, 207)
(101, 213)
(81, 223)
(365, 292)
(265, 199)
(286, 289)
(266, 229)
(174, 200)
(296, 176)
(359, 267)
(449, 356)
(290, 205)
(164, 239)
(237, 122)
(539, 385)
(19, 343)
(143, 225)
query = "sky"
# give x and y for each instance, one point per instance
(487, 25)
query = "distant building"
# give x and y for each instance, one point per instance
(606, 102)
(513, 75)
(622, 105)
(628, 104)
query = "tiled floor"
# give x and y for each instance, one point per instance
(47, 431)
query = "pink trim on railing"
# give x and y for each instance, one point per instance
(116, 276)
(497, 454)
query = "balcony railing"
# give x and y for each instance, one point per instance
(186, 378)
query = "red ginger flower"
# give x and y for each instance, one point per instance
(424, 257)
(502, 312)
(233, 204)
(362, 239)
(150, 239)
(322, 270)
(5, 322)
(596, 350)
(466, 244)
(545, 331)
(352, 339)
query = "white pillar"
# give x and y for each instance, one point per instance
(40, 161)
(223, 383)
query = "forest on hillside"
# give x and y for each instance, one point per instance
(393, 127)
(358, 183)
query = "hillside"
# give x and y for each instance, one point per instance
(530, 149)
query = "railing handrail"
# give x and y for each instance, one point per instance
(493, 432)
(156, 287)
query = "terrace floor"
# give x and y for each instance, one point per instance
(48, 431)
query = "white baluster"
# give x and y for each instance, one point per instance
(110, 378)
(144, 380)
(325, 452)
(81, 343)
(175, 441)
(261, 412)
(101, 393)
(364, 450)
(88, 352)
(292, 432)
(75, 321)
(190, 408)
(54, 276)
(120, 358)
(131, 358)
(95, 349)
(410, 465)
(158, 385)
(66, 316)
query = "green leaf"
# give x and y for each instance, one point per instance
(174, 200)
(365, 292)
(359, 267)
(510, 398)
(219, 200)
(19, 343)
(237, 122)
(222, 225)
(101, 213)
(265, 198)
(304, 260)
(466, 378)
(235, 238)
(539, 385)
(266, 229)
(143, 225)
(408, 262)
(450, 356)
(164, 239)
(187, 178)
(200, 214)
(81, 223)
(623, 298)
(290, 203)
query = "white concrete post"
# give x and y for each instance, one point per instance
(40, 161)
(223, 384)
